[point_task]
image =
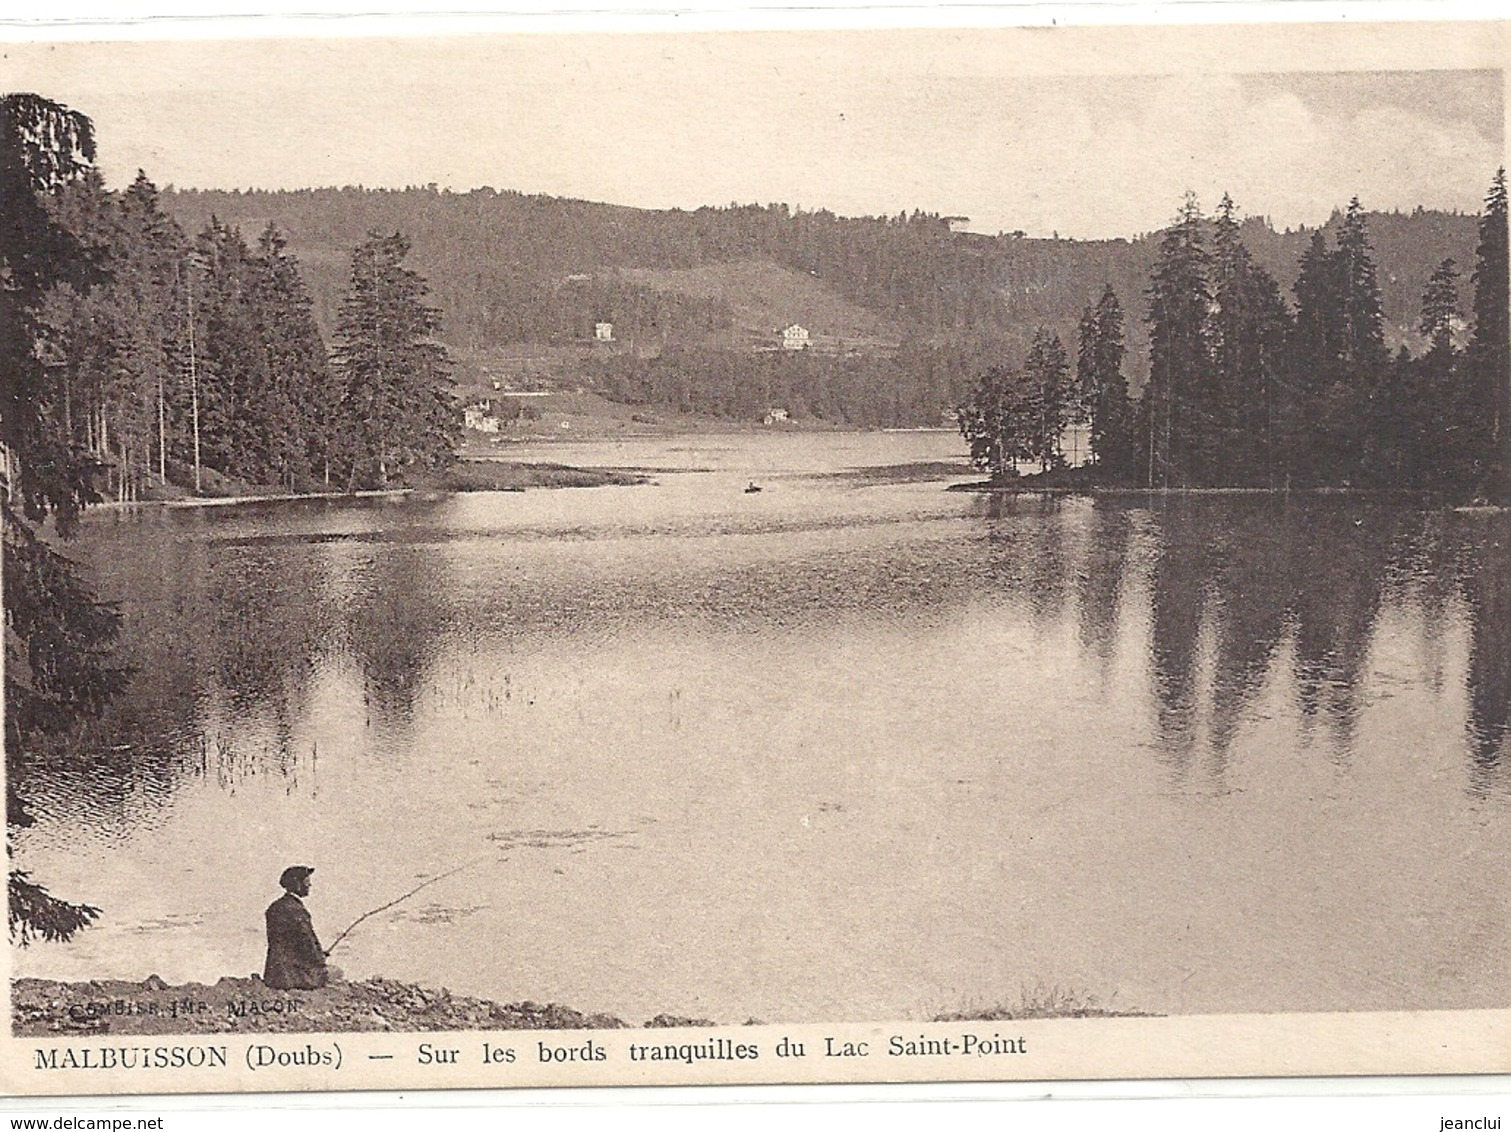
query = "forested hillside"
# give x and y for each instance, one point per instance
(905, 310)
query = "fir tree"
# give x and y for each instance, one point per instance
(1318, 398)
(235, 386)
(1048, 374)
(1432, 425)
(112, 344)
(304, 426)
(1440, 308)
(1182, 441)
(1490, 347)
(1339, 363)
(1418, 438)
(1364, 355)
(1247, 330)
(394, 376)
(1103, 389)
(156, 253)
(44, 148)
(57, 668)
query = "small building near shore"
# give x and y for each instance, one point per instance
(776, 416)
(480, 417)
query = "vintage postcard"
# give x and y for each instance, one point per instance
(606, 556)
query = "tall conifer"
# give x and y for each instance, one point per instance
(57, 640)
(1048, 374)
(1104, 389)
(1490, 347)
(1247, 330)
(1182, 445)
(394, 374)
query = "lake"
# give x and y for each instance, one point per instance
(850, 748)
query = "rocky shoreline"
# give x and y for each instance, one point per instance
(44, 1008)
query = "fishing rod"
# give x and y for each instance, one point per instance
(400, 899)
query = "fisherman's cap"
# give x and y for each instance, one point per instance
(292, 875)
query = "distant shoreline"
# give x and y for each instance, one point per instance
(1028, 487)
(466, 475)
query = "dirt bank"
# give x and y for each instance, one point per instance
(42, 1008)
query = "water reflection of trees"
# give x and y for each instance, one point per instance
(394, 630)
(230, 635)
(1234, 582)
(1027, 552)
(1487, 590)
(1257, 573)
(1341, 557)
(1178, 596)
(1100, 584)
(1239, 582)
(227, 636)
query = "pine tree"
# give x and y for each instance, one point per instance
(112, 344)
(1048, 374)
(303, 419)
(1316, 378)
(1247, 329)
(1183, 448)
(238, 410)
(1432, 417)
(1364, 355)
(394, 376)
(44, 148)
(57, 668)
(1440, 308)
(1104, 390)
(1340, 417)
(1490, 346)
(156, 254)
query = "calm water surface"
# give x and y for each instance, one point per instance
(850, 748)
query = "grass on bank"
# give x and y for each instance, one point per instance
(508, 475)
(1042, 1001)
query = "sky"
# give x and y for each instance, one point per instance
(1018, 130)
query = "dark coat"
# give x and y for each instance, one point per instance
(295, 958)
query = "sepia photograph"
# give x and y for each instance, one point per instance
(850, 554)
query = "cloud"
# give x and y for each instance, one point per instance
(1094, 165)
(683, 121)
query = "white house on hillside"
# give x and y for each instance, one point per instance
(795, 338)
(480, 416)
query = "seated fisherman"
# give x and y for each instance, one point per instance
(295, 958)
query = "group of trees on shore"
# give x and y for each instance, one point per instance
(181, 362)
(1245, 391)
(135, 359)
